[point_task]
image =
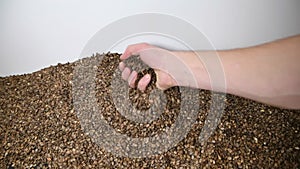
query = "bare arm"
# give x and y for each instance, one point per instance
(268, 73)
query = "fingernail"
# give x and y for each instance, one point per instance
(121, 66)
(132, 79)
(126, 73)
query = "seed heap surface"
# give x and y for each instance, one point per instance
(41, 128)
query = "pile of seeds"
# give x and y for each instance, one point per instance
(42, 124)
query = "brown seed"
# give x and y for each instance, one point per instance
(40, 128)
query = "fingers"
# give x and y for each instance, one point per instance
(131, 76)
(133, 50)
(127, 75)
(126, 72)
(144, 82)
(122, 66)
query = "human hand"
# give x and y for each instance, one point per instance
(162, 61)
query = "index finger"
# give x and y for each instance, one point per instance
(133, 50)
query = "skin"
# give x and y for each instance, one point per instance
(267, 73)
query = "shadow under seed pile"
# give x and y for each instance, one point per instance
(40, 128)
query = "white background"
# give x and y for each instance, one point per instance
(35, 34)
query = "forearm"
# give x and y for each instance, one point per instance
(267, 73)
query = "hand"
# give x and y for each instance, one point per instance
(161, 60)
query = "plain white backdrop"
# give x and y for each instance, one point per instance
(35, 34)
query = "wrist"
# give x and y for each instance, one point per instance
(197, 73)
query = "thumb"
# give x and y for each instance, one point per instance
(164, 80)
